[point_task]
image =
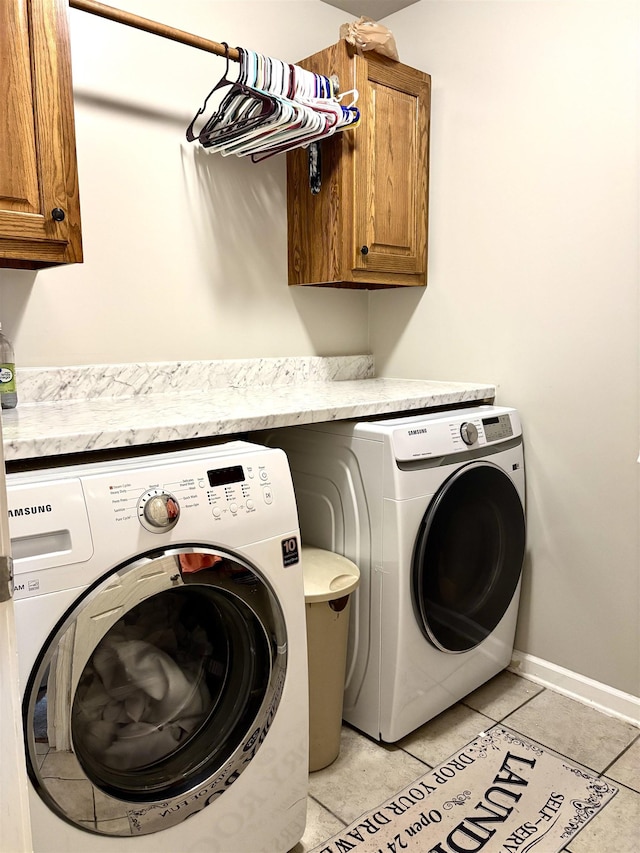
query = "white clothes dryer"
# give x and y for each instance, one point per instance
(431, 507)
(162, 650)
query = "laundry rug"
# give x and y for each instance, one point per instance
(502, 793)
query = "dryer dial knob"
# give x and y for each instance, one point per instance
(469, 433)
(158, 511)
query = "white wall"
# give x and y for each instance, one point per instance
(185, 252)
(534, 286)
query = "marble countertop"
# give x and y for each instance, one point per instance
(76, 410)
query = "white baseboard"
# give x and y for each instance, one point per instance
(600, 696)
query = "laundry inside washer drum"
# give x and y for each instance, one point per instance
(150, 712)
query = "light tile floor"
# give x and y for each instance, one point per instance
(366, 772)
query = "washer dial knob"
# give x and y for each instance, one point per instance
(469, 433)
(158, 511)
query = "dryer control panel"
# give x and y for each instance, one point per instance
(445, 433)
(497, 427)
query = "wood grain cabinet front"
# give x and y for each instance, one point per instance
(39, 200)
(367, 227)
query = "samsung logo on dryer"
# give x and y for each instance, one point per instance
(422, 431)
(29, 510)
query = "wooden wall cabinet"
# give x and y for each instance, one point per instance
(367, 227)
(39, 201)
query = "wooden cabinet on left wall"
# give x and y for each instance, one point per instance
(39, 199)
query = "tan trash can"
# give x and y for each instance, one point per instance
(329, 580)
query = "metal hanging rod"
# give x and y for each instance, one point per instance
(149, 26)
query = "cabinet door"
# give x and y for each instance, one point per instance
(367, 227)
(391, 171)
(38, 171)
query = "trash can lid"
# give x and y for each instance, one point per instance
(327, 575)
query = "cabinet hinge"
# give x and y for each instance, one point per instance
(6, 578)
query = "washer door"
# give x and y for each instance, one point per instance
(468, 557)
(155, 692)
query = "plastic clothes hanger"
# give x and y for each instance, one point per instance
(241, 123)
(270, 108)
(240, 107)
(293, 120)
(322, 115)
(241, 114)
(337, 116)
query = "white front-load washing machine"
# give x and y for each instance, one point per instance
(431, 507)
(162, 651)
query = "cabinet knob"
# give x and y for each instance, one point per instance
(58, 214)
(364, 250)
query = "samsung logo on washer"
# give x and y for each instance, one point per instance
(422, 431)
(29, 510)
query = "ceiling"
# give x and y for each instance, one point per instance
(375, 9)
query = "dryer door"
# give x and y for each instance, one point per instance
(155, 692)
(468, 557)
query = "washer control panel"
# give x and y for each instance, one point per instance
(238, 490)
(224, 493)
(81, 518)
